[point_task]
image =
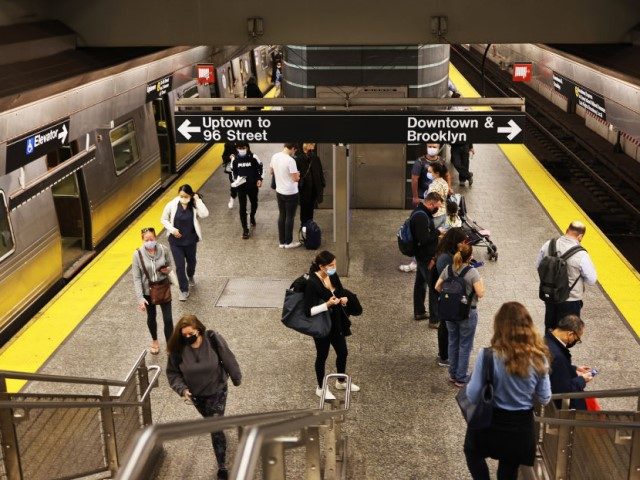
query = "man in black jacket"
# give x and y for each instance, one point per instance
(312, 182)
(425, 236)
(246, 169)
(564, 376)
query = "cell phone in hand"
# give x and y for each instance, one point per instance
(594, 372)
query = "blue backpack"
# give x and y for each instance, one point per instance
(311, 237)
(454, 303)
(406, 242)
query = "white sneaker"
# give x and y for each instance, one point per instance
(327, 395)
(343, 386)
(293, 245)
(183, 296)
(282, 245)
(413, 266)
(230, 204)
(404, 268)
(192, 282)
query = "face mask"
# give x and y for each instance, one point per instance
(242, 153)
(190, 340)
(430, 175)
(432, 151)
(150, 244)
(331, 271)
(185, 201)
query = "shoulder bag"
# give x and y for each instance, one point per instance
(160, 292)
(294, 317)
(479, 415)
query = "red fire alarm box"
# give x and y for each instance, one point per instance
(206, 74)
(522, 71)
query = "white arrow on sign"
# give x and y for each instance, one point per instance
(62, 136)
(186, 130)
(513, 129)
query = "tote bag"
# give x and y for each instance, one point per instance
(293, 316)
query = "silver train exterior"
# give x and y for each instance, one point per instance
(620, 93)
(57, 210)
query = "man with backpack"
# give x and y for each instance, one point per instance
(564, 267)
(425, 240)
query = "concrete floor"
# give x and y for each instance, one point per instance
(405, 423)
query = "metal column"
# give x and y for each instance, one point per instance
(341, 197)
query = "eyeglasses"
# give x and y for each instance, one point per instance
(578, 337)
(148, 229)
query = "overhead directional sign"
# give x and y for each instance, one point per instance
(350, 127)
(35, 144)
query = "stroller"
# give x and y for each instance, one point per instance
(477, 235)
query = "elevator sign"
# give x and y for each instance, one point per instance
(36, 144)
(350, 127)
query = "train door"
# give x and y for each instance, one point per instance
(70, 201)
(237, 67)
(161, 114)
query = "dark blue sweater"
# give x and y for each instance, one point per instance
(563, 375)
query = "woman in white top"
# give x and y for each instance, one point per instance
(437, 173)
(180, 218)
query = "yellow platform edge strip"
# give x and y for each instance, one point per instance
(619, 280)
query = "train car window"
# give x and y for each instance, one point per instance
(124, 146)
(7, 244)
(191, 92)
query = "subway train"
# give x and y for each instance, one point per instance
(87, 152)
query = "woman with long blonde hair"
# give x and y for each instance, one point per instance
(520, 376)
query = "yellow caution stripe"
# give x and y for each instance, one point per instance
(619, 280)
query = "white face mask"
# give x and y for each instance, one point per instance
(184, 201)
(432, 151)
(242, 153)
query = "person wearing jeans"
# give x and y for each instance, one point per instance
(461, 333)
(285, 171)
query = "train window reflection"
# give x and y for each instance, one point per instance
(124, 146)
(6, 238)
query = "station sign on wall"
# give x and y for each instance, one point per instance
(205, 73)
(522, 71)
(159, 87)
(36, 143)
(350, 127)
(588, 99)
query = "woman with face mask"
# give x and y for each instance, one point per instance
(180, 218)
(200, 363)
(324, 292)
(158, 265)
(437, 172)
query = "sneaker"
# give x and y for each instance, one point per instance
(293, 245)
(434, 325)
(223, 474)
(404, 268)
(451, 379)
(183, 296)
(442, 363)
(327, 395)
(192, 282)
(421, 316)
(470, 178)
(282, 245)
(253, 221)
(409, 267)
(230, 204)
(343, 386)
(459, 384)
(245, 234)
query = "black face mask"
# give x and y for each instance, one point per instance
(571, 344)
(190, 340)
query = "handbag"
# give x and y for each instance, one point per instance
(479, 415)
(294, 317)
(273, 182)
(160, 292)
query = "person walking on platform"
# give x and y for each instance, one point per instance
(565, 377)
(180, 218)
(425, 236)
(246, 171)
(462, 331)
(285, 171)
(312, 182)
(460, 155)
(447, 248)
(252, 90)
(229, 150)
(520, 376)
(324, 292)
(200, 362)
(579, 270)
(156, 260)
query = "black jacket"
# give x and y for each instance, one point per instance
(563, 375)
(247, 166)
(312, 182)
(424, 234)
(316, 293)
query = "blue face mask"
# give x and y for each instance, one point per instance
(331, 271)
(242, 153)
(150, 244)
(430, 175)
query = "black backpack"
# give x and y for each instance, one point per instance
(554, 275)
(406, 241)
(311, 236)
(454, 303)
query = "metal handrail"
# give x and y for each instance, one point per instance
(621, 392)
(612, 424)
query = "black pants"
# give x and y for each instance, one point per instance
(555, 311)
(184, 256)
(306, 210)
(287, 205)
(339, 343)
(479, 470)
(420, 288)
(233, 192)
(167, 318)
(243, 193)
(460, 160)
(443, 341)
(213, 406)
